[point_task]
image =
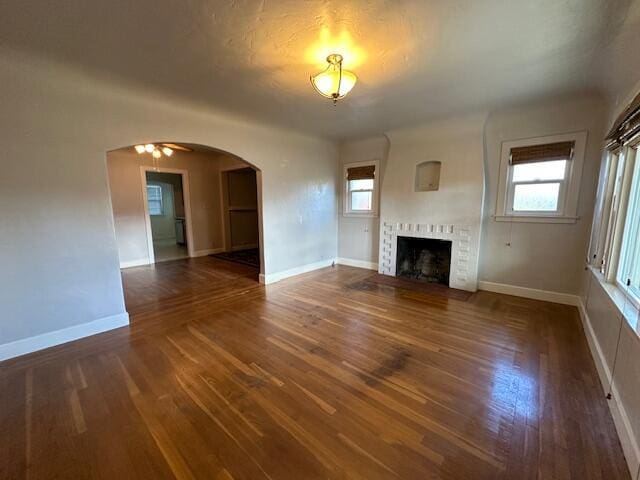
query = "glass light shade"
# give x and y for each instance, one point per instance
(156, 154)
(140, 148)
(149, 147)
(167, 151)
(334, 82)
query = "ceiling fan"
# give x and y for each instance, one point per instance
(162, 148)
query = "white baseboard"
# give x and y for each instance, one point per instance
(135, 263)
(209, 251)
(276, 277)
(533, 293)
(57, 337)
(357, 263)
(618, 412)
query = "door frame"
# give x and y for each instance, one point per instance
(186, 198)
(224, 204)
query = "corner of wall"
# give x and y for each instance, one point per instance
(58, 337)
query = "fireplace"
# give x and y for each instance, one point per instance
(424, 259)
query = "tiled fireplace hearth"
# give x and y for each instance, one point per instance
(464, 265)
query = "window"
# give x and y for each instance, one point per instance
(615, 237)
(540, 179)
(614, 191)
(361, 189)
(154, 200)
(628, 273)
(615, 248)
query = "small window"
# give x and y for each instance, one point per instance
(540, 179)
(361, 189)
(154, 200)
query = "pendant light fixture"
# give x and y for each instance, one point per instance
(334, 82)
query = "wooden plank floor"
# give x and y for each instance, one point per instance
(312, 378)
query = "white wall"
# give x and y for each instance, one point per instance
(542, 256)
(458, 144)
(57, 245)
(602, 320)
(538, 251)
(359, 236)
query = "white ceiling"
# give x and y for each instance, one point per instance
(416, 60)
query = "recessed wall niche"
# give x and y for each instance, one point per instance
(428, 176)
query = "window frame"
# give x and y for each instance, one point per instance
(569, 187)
(625, 255)
(614, 255)
(602, 216)
(161, 200)
(347, 210)
(616, 210)
(562, 193)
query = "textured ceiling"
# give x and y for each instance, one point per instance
(416, 60)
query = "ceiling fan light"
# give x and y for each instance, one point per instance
(149, 147)
(139, 148)
(156, 154)
(167, 151)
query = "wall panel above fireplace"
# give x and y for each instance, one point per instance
(454, 211)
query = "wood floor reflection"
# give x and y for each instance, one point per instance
(316, 377)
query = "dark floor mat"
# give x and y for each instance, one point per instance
(250, 256)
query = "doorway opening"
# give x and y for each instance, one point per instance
(240, 216)
(167, 215)
(196, 202)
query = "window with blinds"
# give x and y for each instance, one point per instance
(615, 238)
(154, 200)
(361, 187)
(538, 177)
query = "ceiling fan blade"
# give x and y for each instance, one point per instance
(173, 146)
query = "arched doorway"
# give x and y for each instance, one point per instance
(176, 200)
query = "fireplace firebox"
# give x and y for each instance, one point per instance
(424, 259)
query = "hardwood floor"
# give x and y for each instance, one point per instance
(327, 375)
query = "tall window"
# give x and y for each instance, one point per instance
(615, 239)
(628, 274)
(154, 200)
(540, 178)
(361, 189)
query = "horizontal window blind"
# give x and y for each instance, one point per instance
(366, 172)
(626, 126)
(547, 152)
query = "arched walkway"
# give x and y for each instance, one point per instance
(213, 197)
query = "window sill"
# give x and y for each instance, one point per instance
(535, 219)
(360, 215)
(623, 303)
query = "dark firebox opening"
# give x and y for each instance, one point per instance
(424, 259)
